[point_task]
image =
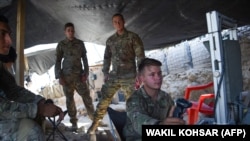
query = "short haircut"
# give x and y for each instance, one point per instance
(148, 62)
(118, 15)
(4, 20)
(68, 25)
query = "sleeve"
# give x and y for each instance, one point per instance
(10, 109)
(107, 59)
(137, 113)
(59, 56)
(23, 95)
(139, 50)
(17, 94)
(85, 60)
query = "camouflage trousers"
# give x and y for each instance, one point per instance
(21, 130)
(108, 91)
(74, 83)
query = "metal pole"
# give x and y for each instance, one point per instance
(215, 22)
(20, 42)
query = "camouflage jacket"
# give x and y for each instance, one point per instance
(142, 110)
(124, 52)
(73, 53)
(16, 102)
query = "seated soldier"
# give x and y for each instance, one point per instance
(149, 105)
(18, 106)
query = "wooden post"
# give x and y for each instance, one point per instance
(20, 42)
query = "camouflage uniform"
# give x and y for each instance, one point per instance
(124, 52)
(18, 108)
(72, 53)
(142, 110)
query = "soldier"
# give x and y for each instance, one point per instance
(18, 106)
(149, 105)
(124, 50)
(71, 74)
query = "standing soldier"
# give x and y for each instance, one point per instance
(124, 50)
(71, 74)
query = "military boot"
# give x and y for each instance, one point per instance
(102, 124)
(73, 128)
(93, 128)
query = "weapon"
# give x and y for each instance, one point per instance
(181, 106)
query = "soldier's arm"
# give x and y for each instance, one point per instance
(59, 56)
(10, 109)
(137, 114)
(19, 102)
(15, 92)
(139, 49)
(85, 60)
(106, 60)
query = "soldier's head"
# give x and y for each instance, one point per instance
(69, 30)
(5, 39)
(118, 22)
(150, 74)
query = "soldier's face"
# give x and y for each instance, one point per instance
(70, 32)
(152, 77)
(118, 23)
(5, 40)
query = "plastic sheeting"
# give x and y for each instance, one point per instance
(159, 23)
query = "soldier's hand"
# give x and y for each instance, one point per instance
(61, 81)
(84, 78)
(61, 114)
(106, 77)
(50, 110)
(172, 121)
(171, 112)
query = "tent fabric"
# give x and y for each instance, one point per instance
(42, 61)
(41, 58)
(159, 23)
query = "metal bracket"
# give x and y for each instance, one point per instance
(216, 22)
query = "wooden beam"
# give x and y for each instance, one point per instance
(20, 42)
